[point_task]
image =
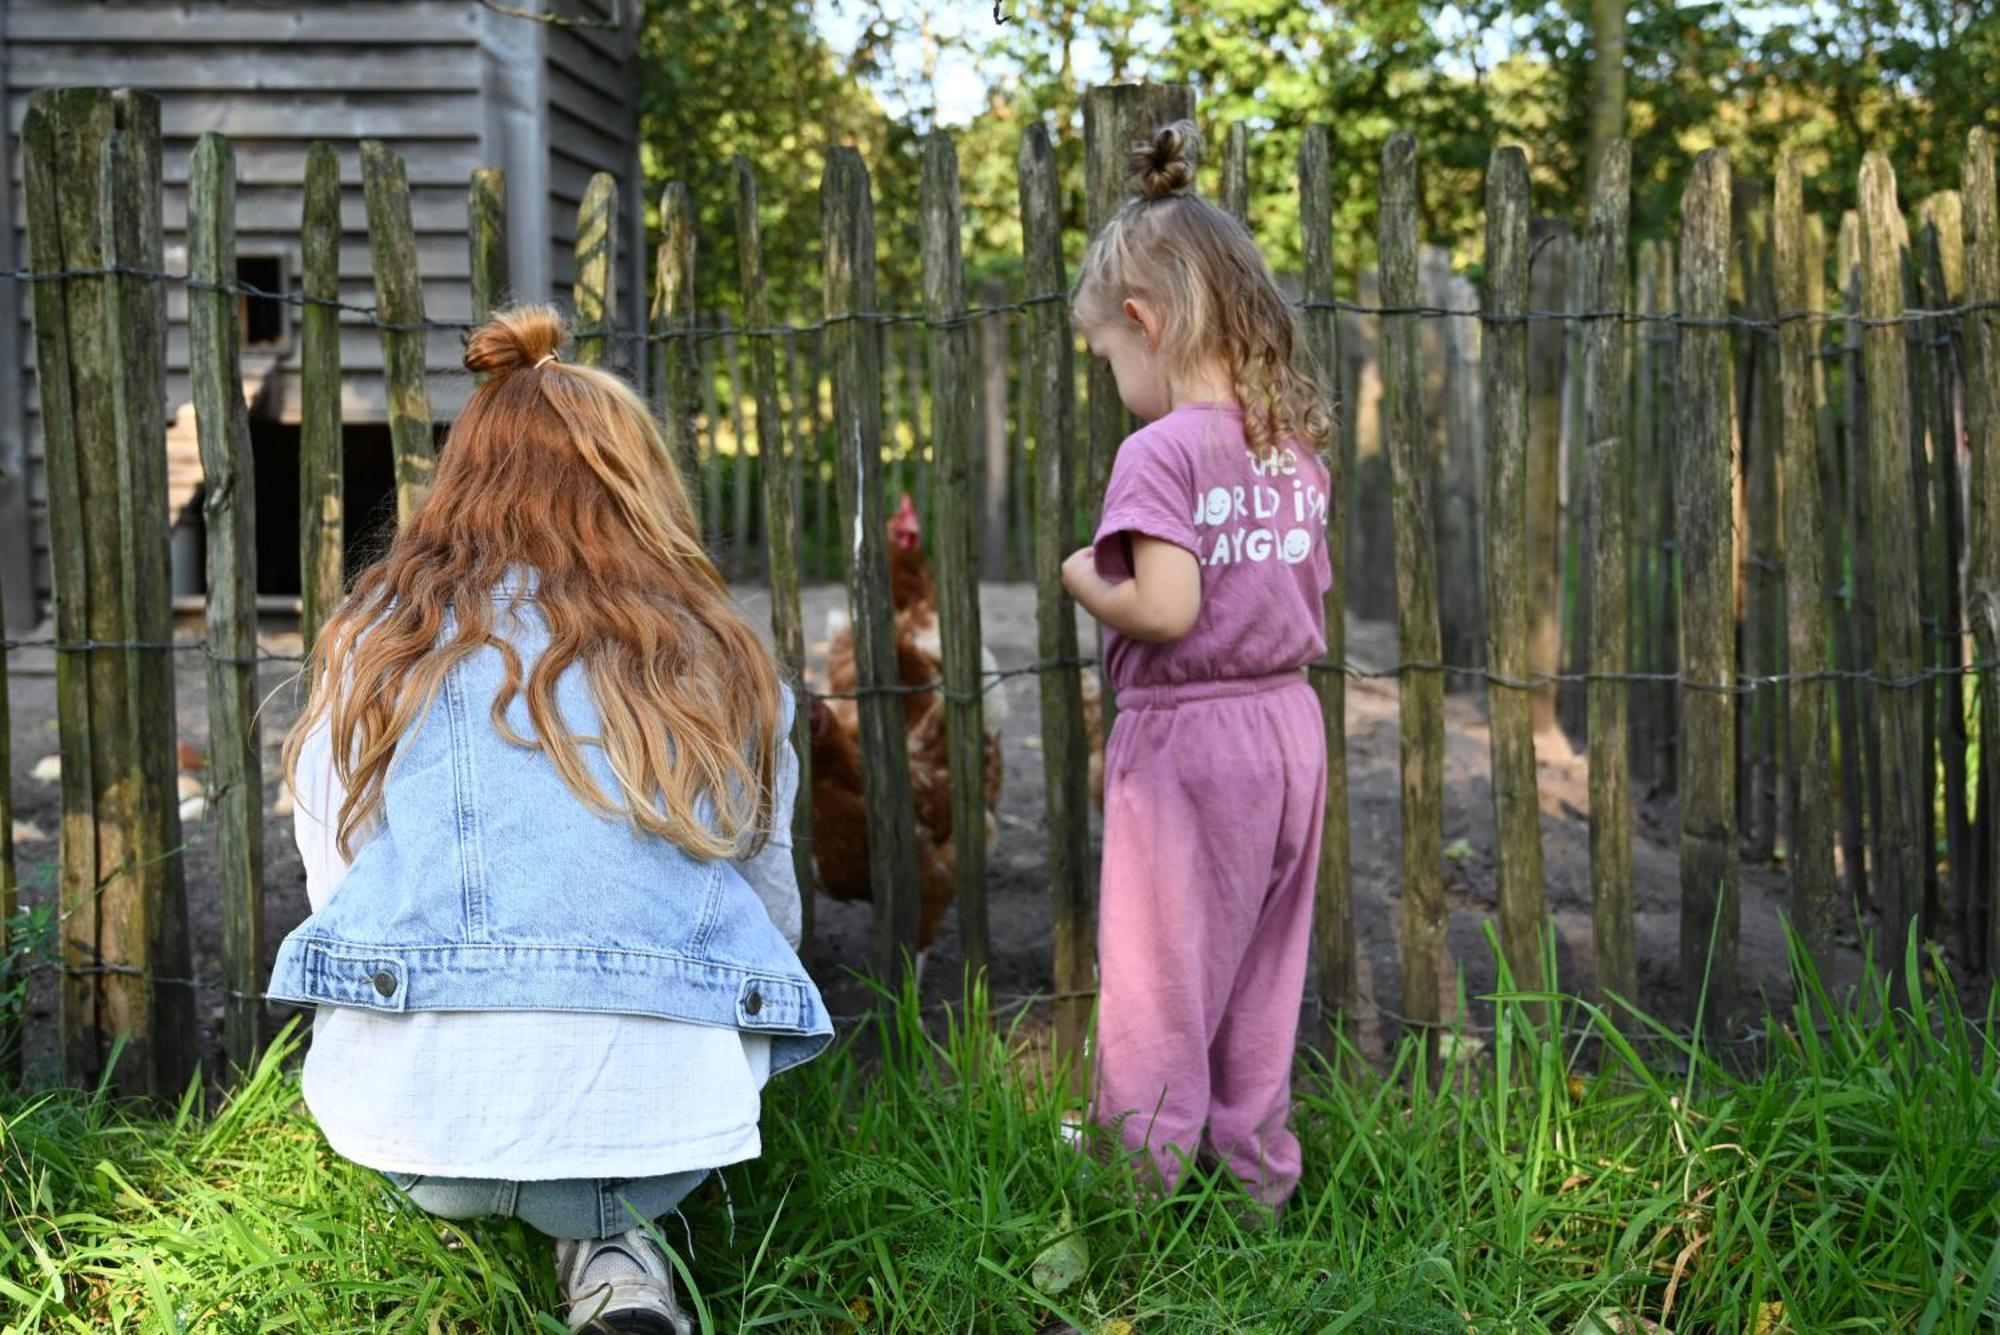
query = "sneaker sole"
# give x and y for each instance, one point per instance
(631, 1323)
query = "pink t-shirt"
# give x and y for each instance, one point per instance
(1259, 530)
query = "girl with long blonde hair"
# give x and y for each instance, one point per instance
(543, 795)
(1209, 573)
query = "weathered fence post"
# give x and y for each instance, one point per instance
(1940, 265)
(10, 1021)
(1575, 517)
(1814, 891)
(1839, 612)
(486, 206)
(848, 233)
(1510, 584)
(1451, 419)
(322, 466)
(673, 311)
(59, 184)
(1608, 468)
(91, 164)
(1860, 530)
(1549, 261)
(136, 317)
(1982, 438)
(1704, 515)
(1236, 173)
(236, 780)
(1761, 629)
(787, 627)
(1901, 848)
(594, 292)
(1420, 683)
(1333, 908)
(1050, 391)
(957, 544)
(399, 302)
(1662, 614)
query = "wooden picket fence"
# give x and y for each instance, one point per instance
(1781, 526)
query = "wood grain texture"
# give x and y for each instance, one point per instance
(1510, 588)
(1981, 330)
(1551, 254)
(143, 905)
(673, 309)
(322, 457)
(1334, 948)
(594, 294)
(957, 543)
(1940, 272)
(1815, 890)
(787, 625)
(1050, 391)
(10, 1020)
(229, 493)
(1235, 197)
(1420, 691)
(1607, 466)
(399, 301)
(1901, 849)
(52, 171)
(1705, 534)
(486, 209)
(1860, 530)
(848, 233)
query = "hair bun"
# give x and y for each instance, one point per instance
(514, 338)
(1164, 166)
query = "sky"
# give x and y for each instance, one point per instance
(959, 84)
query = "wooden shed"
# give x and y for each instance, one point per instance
(541, 88)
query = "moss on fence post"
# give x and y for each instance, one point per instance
(229, 493)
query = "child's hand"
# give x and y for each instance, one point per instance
(1079, 572)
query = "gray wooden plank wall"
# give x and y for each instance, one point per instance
(451, 84)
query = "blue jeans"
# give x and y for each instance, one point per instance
(575, 1207)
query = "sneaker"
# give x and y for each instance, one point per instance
(623, 1283)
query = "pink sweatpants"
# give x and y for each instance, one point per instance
(1213, 805)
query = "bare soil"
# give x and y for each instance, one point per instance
(1018, 898)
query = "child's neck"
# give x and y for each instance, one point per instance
(1207, 383)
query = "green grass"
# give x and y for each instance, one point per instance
(1851, 1178)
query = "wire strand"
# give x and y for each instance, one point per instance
(682, 332)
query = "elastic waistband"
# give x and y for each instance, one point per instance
(1168, 695)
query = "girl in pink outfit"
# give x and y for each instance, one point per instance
(1209, 573)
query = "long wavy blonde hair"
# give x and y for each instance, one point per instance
(1199, 266)
(557, 469)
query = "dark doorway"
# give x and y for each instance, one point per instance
(368, 500)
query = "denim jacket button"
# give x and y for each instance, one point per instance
(385, 983)
(753, 1003)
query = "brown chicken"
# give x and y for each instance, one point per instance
(840, 834)
(1093, 731)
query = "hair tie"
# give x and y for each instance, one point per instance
(546, 357)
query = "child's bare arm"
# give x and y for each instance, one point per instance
(1158, 604)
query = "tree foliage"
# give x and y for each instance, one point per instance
(1832, 79)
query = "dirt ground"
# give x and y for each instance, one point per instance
(1018, 897)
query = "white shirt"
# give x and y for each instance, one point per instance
(532, 1095)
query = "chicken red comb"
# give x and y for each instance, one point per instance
(906, 526)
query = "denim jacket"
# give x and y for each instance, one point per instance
(489, 886)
